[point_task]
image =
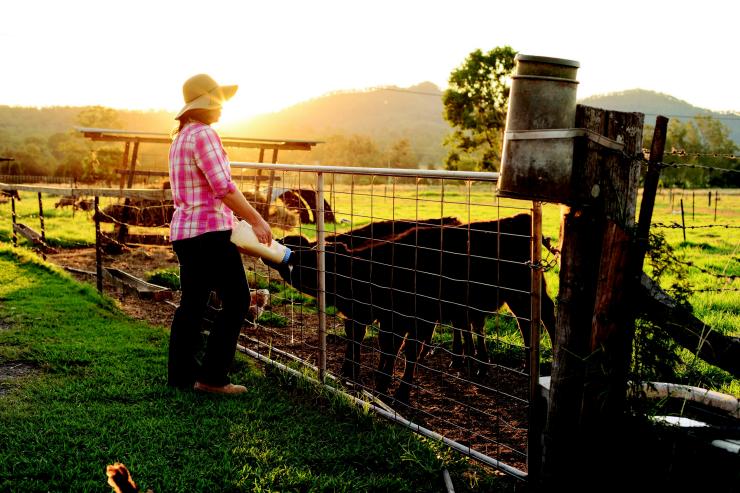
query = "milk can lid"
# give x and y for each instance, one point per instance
(547, 59)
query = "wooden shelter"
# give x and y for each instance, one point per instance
(132, 139)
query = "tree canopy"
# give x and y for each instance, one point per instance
(475, 106)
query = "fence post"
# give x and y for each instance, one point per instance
(716, 199)
(41, 219)
(271, 183)
(683, 222)
(321, 264)
(14, 219)
(534, 438)
(257, 205)
(43, 234)
(124, 165)
(123, 227)
(590, 335)
(98, 255)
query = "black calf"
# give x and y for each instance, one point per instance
(410, 281)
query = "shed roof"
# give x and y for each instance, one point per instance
(117, 135)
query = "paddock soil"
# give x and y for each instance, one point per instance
(487, 413)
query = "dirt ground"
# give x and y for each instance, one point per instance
(487, 413)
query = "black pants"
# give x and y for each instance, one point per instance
(209, 262)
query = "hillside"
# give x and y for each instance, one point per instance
(654, 103)
(18, 122)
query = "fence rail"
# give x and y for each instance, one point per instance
(35, 179)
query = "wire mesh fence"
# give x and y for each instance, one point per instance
(422, 285)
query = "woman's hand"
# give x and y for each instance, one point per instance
(262, 230)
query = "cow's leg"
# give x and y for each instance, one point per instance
(411, 351)
(457, 349)
(355, 332)
(426, 345)
(481, 350)
(468, 348)
(520, 306)
(389, 344)
(412, 346)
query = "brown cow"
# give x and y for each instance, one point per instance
(65, 201)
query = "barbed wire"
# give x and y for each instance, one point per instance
(716, 290)
(683, 153)
(698, 166)
(137, 211)
(715, 116)
(688, 263)
(106, 238)
(704, 226)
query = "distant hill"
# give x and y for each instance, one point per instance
(385, 114)
(653, 103)
(21, 122)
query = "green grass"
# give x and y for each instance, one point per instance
(96, 394)
(715, 300)
(168, 277)
(63, 227)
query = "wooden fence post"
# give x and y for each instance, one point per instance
(716, 199)
(43, 232)
(98, 247)
(14, 220)
(595, 252)
(122, 228)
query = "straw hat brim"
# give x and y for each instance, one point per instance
(209, 101)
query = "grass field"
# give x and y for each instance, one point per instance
(83, 386)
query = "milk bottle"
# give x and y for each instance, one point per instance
(243, 236)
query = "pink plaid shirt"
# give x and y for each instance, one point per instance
(200, 177)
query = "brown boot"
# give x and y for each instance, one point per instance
(224, 389)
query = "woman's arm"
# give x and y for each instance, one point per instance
(236, 201)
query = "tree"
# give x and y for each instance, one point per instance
(401, 155)
(703, 140)
(99, 163)
(475, 106)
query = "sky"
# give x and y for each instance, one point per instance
(136, 54)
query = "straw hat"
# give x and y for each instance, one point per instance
(202, 92)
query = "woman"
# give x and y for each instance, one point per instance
(204, 197)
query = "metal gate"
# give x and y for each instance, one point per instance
(417, 293)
